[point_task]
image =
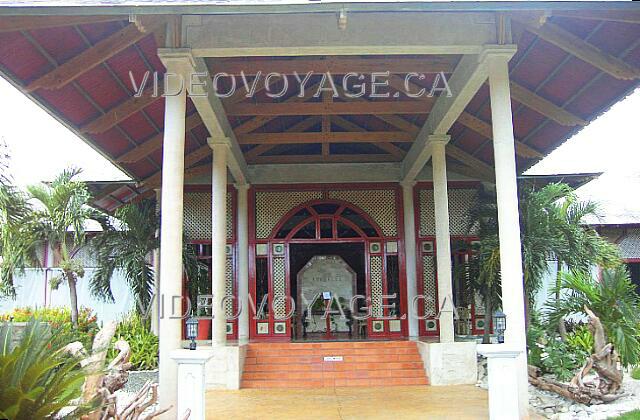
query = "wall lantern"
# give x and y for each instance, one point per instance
(192, 331)
(500, 325)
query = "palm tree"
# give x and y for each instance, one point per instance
(551, 225)
(57, 217)
(129, 248)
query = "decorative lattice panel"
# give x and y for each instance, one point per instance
(228, 275)
(461, 201)
(379, 204)
(460, 204)
(630, 245)
(279, 288)
(426, 206)
(375, 271)
(429, 285)
(197, 216)
(271, 206)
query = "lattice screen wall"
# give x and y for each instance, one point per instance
(197, 216)
(379, 204)
(271, 206)
(376, 287)
(461, 201)
(429, 285)
(279, 287)
(630, 244)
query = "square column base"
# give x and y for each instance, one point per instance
(191, 382)
(450, 363)
(503, 380)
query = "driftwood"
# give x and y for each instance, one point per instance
(603, 387)
(102, 383)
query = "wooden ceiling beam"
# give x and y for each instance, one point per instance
(333, 137)
(390, 148)
(29, 23)
(585, 51)
(333, 108)
(289, 159)
(262, 148)
(544, 106)
(460, 155)
(483, 128)
(96, 55)
(333, 65)
(155, 142)
(123, 111)
(190, 159)
(626, 16)
(257, 122)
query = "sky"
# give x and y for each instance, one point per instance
(41, 147)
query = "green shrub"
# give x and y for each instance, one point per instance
(631, 415)
(60, 321)
(562, 359)
(144, 344)
(38, 378)
(635, 373)
(581, 338)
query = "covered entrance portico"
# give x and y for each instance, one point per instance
(233, 158)
(388, 188)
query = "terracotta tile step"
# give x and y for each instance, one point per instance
(332, 383)
(333, 344)
(262, 360)
(350, 374)
(331, 366)
(332, 352)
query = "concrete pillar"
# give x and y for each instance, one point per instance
(191, 382)
(410, 255)
(503, 389)
(218, 238)
(443, 239)
(508, 218)
(243, 262)
(155, 303)
(171, 231)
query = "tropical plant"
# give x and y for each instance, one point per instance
(612, 299)
(635, 373)
(59, 319)
(581, 338)
(129, 247)
(134, 329)
(551, 226)
(57, 217)
(562, 359)
(38, 377)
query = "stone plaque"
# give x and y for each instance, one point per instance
(325, 273)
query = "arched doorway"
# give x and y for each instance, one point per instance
(327, 228)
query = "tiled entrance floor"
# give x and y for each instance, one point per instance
(398, 402)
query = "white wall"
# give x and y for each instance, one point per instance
(33, 290)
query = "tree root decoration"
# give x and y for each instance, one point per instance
(102, 383)
(604, 387)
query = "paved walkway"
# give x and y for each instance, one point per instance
(398, 402)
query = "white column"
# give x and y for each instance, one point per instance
(171, 231)
(508, 218)
(243, 262)
(443, 239)
(218, 238)
(410, 255)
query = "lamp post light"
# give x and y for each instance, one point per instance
(500, 324)
(192, 331)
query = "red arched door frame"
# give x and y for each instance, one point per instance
(311, 222)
